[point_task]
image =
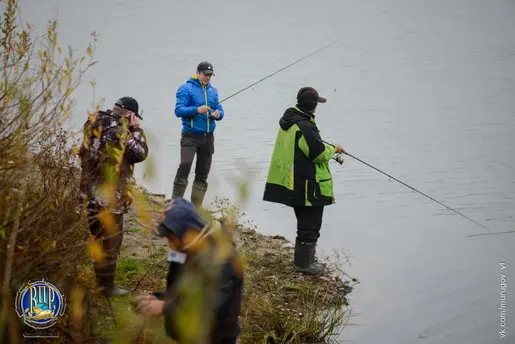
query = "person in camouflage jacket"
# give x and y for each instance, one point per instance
(113, 143)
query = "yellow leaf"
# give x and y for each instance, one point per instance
(190, 238)
(244, 191)
(107, 221)
(90, 52)
(77, 304)
(96, 252)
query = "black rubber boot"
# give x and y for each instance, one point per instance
(314, 259)
(114, 291)
(198, 192)
(105, 280)
(303, 258)
(179, 188)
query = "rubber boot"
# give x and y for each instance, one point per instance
(303, 258)
(198, 192)
(114, 291)
(314, 259)
(105, 280)
(179, 188)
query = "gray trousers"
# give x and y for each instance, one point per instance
(203, 147)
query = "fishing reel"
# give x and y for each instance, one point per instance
(338, 158)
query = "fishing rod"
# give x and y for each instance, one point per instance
(272, 74)
(411, 187)
(483, 234)
(142, 278)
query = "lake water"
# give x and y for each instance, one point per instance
(424, 90)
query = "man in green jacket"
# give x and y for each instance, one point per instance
(299, 175)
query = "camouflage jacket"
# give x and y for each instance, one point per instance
(110, 149)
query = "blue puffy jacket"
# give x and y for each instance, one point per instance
(190, 96)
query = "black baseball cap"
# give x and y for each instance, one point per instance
(205, 67)
(308, 95)
(129, 103)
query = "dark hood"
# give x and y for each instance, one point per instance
(292, 116)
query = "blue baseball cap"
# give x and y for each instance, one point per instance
(179, 216)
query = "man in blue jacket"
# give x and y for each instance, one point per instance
(197, 106)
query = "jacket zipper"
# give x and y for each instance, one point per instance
(205, 98)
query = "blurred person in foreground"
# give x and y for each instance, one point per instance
(204, 281)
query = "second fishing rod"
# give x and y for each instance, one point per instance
(267, 77)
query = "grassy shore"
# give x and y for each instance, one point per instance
(280, 306)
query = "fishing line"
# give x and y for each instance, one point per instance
(412, 188)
